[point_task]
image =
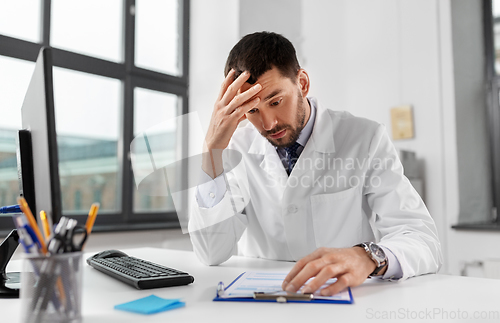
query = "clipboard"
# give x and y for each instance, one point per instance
(277, 296)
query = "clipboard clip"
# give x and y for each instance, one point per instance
(220, 289)
(283, 297)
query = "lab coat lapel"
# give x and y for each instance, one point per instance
(320, 145)
(270, 161)
(322, 138)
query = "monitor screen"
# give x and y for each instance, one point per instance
(38, 118)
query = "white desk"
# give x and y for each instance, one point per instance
(430, 296)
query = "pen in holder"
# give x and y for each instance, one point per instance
(51, 288)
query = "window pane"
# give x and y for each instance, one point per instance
(87, 111)
(154, 121)
(90, 27)
(15, 76)
(157, 36)
(21, 19)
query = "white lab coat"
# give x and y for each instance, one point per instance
(347, 187)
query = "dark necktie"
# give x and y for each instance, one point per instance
(292, 156)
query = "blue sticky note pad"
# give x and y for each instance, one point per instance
(150, 305)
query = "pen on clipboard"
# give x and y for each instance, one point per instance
(283, 297)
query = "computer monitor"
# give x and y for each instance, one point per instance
(37, 154)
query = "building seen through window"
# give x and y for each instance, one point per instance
(95, 180)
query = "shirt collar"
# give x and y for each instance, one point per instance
(306, 132)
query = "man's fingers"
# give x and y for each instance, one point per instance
(233, 88)
(240, 111)
(293, 272)
(242, 118)
(342, 283)
(328, 272)
(310, 270)
(300, 264)
(227, 81)
(241, 100)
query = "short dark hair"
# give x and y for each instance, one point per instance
(260, 52)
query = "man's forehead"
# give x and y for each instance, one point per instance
(272, 81)
(267, 92)
(273, 74)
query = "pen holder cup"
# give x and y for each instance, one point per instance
(51, 288)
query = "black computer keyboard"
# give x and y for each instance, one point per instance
(136, 272)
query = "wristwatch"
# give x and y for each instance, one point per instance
(376, 254)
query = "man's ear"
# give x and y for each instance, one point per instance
(303, 82)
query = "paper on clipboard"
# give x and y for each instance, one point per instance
(270, 282)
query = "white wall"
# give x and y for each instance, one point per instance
(213, 32)
(280, 16)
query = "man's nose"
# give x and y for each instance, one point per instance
(268, 121)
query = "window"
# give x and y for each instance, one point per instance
(78, 200)
(162, 141)
(118, 71)
(87, 109)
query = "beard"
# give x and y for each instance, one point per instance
(293, 130)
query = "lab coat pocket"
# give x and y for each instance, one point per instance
(337, 218)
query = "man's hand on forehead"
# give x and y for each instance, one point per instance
(251, 79)
(246, 85)
(229, 110)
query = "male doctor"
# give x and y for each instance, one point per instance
(300, 182)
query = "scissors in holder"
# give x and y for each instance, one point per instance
(68, 237)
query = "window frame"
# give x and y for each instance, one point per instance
(493, 105)
(131, 77)
(492, 88)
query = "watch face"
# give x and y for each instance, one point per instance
(377, 252)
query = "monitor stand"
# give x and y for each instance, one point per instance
(7, 248)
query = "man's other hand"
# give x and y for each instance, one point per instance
(351, 266)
